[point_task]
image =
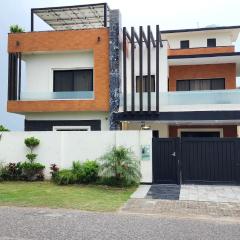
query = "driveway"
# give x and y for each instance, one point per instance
(41, 224)
(202, 193)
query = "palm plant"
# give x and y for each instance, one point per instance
(120, 165)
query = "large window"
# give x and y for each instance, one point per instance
(73, 80)
(145, 83)
(201, 84)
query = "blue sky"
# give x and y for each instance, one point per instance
(171, 14)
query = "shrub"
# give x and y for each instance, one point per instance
(3, 129)
(31, 143)
(12, 171)
(16, 29)
(32, 171)
(120, 166)
(90, 171)
(54, 170)
(65, 177)
(86, 172)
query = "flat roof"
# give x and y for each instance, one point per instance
(200, 29)
(73, 17)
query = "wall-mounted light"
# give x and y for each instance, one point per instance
(98, 39)
(17, 43)
(145, 127)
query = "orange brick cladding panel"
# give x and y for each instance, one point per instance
(96, 40)
(228, 130)
(227, 71)
(192, 51)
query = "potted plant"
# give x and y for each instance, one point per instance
(16, 29)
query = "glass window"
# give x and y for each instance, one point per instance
(184, 44)
(73, 80)
(211, 42)
(145, 83)
(201, 84)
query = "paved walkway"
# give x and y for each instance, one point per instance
(202, 193)
(182, 208)
(210, 193)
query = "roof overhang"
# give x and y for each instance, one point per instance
(74, 17)
(232, 30)
(201, 59)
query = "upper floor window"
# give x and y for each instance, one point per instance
(211, 42)
(184, 44)
(72, 80)
(200, 84)
(145, 83)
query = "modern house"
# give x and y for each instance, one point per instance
(89, 73)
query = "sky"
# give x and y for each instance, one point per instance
(169, 14)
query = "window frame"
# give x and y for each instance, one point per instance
(184, 41)
(215, 42)
(71, 69)
(180, 130)
(72, 128)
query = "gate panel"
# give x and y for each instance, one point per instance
(209, 160)
(165, 160)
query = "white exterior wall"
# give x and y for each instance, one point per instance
(103, 116)
(163, 65)
(198, 39)
(62, 148)
(40, 66)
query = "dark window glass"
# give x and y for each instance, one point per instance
(73, 80)
(184, 44)
(200, 134)
(145, 83)
(211, 42)
(201, 84)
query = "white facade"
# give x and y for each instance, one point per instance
(198, 39)
(62, 148)
(40, 67)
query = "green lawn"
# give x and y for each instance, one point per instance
(46, 194)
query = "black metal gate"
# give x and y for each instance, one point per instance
(165, 162)
(196, 160)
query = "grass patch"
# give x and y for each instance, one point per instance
(47, 194)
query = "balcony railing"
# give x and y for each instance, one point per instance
(36, 96)
(183, 99)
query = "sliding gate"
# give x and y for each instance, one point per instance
(196, 160)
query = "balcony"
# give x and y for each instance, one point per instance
(188, 101)
(41, 96)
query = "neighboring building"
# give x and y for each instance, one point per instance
(86, 75)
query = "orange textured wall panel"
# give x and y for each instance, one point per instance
(207, 50)
(57, 41)
(228, 130)
(227, 71)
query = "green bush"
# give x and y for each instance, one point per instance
(3, 129)
(31, 143)
(32, 171)
(16, 29)
(120, 167)
(86, 172)
(11, 172)
(90, 171)
(65, 177)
